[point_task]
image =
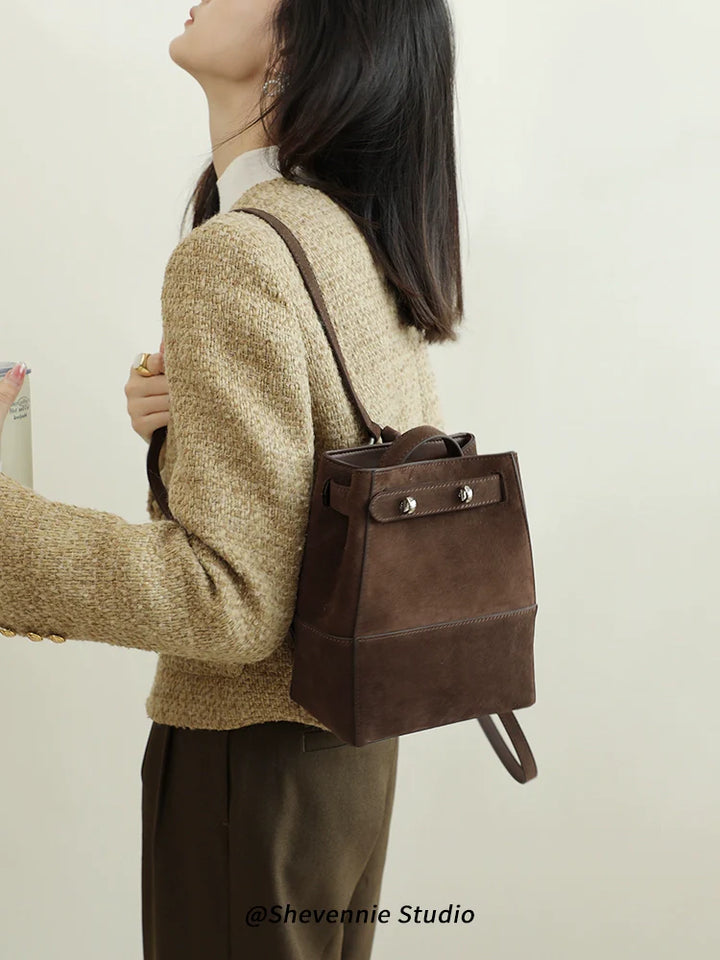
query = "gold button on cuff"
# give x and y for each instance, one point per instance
(34, 636)
(56, 638)
(7, 632)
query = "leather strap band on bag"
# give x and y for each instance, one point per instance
(400, 449)
(524, 770)
(313, 288)
(377, 432)
(153, 471)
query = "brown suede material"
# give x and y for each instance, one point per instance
(410, 621)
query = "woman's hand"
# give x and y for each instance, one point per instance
(10, 387)
(147, 397)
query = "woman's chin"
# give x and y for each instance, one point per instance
(175, 49)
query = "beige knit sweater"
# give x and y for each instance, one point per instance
(255, 397)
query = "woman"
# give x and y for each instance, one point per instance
(249, 802)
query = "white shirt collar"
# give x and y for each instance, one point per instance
(244, 172)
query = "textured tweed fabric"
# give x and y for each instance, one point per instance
(255, 398)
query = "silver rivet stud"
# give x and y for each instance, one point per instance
(465, 493)
(408, 504)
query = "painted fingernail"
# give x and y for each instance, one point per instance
(18, 372)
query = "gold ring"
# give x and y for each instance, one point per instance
(139, 364)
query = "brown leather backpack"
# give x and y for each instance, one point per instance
(416, 598)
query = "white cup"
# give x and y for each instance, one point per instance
(16, 436)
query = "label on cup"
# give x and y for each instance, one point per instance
(16, 436)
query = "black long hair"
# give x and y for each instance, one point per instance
(367, 111)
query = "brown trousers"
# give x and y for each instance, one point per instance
(242, 827)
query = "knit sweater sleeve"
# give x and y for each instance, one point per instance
(217, 583)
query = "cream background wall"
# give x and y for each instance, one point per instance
(589, 145)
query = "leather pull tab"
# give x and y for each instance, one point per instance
(405, 443)
(526, 768)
